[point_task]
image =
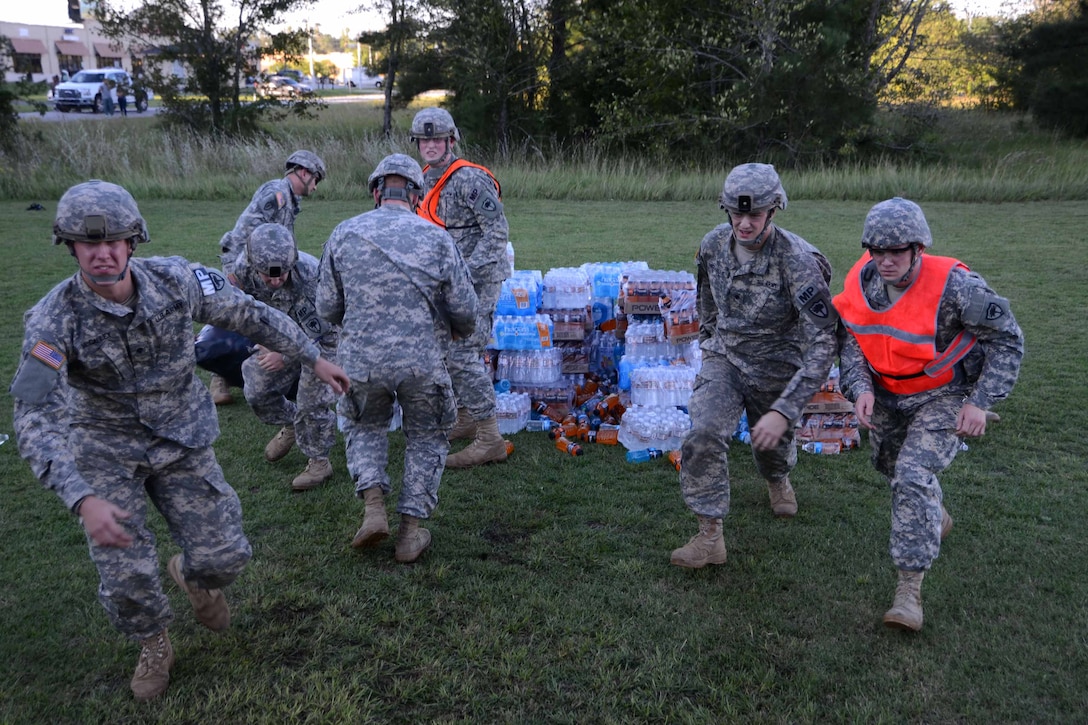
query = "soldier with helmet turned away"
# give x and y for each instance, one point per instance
(109, 414)
(767, 332)
(926, 349)
(273, 271)
(464, 199)
(399, 290)
(275, 202)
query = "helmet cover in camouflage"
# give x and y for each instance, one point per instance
(752, 188)
(397, 165)
(98, 211)
(307, 160)
(895, 223)
(434, 123)
(271, 250)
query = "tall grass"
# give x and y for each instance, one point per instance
(966, 156)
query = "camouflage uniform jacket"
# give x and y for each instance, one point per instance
(771, 316)
(90, 366)
(470, 206)
(297, 297)
(397, 286)
(273, 203)
(984, 377)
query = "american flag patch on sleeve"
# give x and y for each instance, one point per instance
(48, 354)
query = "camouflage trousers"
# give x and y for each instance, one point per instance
(472, 382)
(427, 416)
(311, 412)
(719, 395)
(201, 510)
(910, 447)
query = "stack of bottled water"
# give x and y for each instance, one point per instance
(565, 288)
(662, 385)
(531, 367)
(646, 338)
(522, 332)
(659, 427)
(605, 352)
(512, 412)
(520, 294)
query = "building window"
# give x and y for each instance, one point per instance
(23, 63)
(70, 63)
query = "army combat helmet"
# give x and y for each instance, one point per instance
(434, 123)
(752, 188)
(271, 250)
(98, 211)
(895, 223)
(308, 160)
(397, 165)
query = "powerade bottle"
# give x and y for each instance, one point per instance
(568, 446)
(646, 454)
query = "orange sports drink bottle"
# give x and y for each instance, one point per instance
(566, 445)
(607, 436)
(674, 459)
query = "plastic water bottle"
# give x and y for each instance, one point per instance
(543, 424)
(826, 449)
(502, 386)
(646, 454)
(4, 438)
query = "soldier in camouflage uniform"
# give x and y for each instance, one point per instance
(273, 271)
(464, 199)
(926, 349)
(275, 202)
(399, 290)
(767, 332)
(109, 414)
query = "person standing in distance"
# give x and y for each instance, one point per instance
(464, 199)
(926, 349)
(273, 271)
(109, 414)
(399, 290)
(275, 202)
(767, 332)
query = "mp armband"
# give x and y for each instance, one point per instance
(986, 309)
(815, 304)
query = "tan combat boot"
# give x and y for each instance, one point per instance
(706, 547)
(906, 611)
(220, 391)
(318, 470)
(152, 674)
(279, 446)
(412, 540)
(487, 447)
(375, 526)
(464, 428)
(946, 523)
(209, 605)
(783, 500)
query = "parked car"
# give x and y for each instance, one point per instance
(84, 90)
(281, 87)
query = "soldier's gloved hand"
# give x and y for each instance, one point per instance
(100, 520)
(768, 431)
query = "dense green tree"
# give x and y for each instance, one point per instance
(211, 39)
(12, 135)
(1048, 52)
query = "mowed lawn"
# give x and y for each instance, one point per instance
(548, 595)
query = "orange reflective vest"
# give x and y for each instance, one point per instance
(428, 208)
(900, 343)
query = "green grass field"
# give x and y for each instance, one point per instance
(547, 595)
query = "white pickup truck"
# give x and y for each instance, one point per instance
(84, 90)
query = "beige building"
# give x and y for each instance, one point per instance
(47, 51)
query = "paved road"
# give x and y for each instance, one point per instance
(53, 115)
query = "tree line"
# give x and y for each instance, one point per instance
(799, 82)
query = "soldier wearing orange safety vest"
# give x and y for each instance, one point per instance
(464, 199)
(926, 349)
